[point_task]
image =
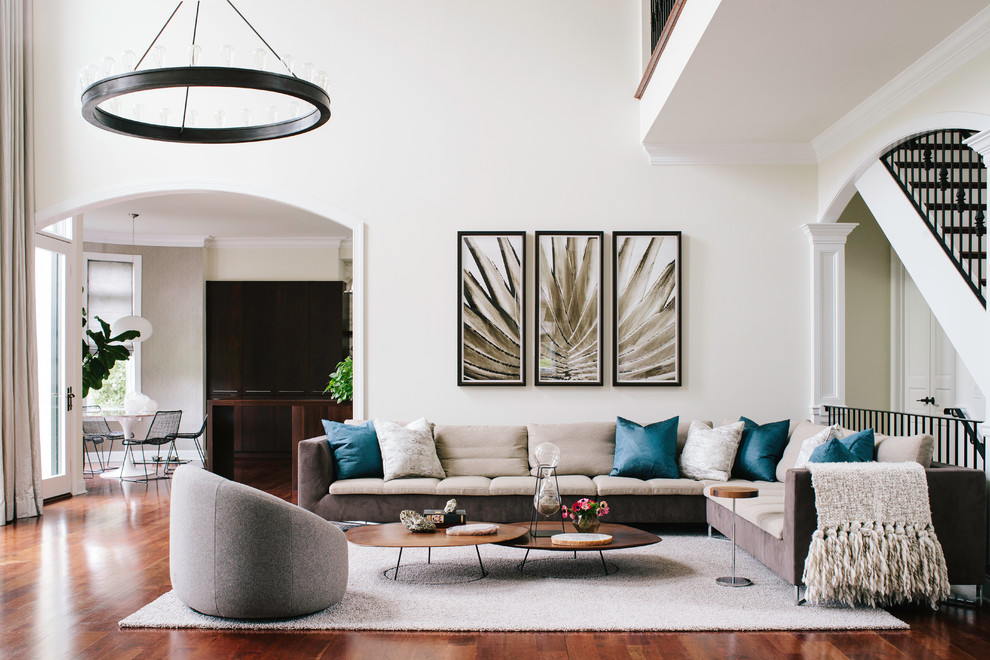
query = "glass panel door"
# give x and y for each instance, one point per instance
(50, 305)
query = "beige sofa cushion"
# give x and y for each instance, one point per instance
(586, 448)
(608, 486)
(464, 486)
(485, 451)
(576, 485)
(765, 511)
(801, 432)
(513, 486)
(906, 448)
(410, 486)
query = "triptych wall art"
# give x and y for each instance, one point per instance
(645, 298)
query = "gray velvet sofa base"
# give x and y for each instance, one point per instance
(958, 502)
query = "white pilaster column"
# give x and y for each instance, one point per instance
(981, 144)
(828, 313)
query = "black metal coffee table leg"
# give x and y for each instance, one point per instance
(483, 571)
(397, 562)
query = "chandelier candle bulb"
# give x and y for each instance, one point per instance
(106, 67)
(158, 56)
(306, 71)
(227, 55)
(289, 63)
(127, 60)
(195, 53)
(260, 57)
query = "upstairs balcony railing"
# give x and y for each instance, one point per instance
(947, 185)
(957, 439)
(663, 17)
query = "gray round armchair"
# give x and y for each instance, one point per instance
(237, 552)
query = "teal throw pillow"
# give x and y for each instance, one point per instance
(760, 449)
(645, 452)
(856, 448)
(355, 450)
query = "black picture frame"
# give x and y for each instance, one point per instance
(491, 308)
(564, 272)
(646, 313)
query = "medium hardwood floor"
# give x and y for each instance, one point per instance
(67, 578)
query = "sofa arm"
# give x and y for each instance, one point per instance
(315, 471)
(800, 520)
(958, 500)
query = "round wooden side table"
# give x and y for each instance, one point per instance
(734, 493)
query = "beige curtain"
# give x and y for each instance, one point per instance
(20, 455)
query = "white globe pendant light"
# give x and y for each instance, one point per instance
(138, 323)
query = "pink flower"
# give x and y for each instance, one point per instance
(564, 513)
(603, 503)
(586, 505)
(603, 511)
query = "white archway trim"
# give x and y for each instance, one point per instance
(839, 199)
(828, 312)
(95, 199)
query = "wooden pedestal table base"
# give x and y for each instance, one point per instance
(734, 493)
(623, 536)
(395, 535)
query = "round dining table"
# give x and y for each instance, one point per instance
(127, 421)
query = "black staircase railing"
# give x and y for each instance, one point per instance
(660, 11)
(957, 439)
(947, 185)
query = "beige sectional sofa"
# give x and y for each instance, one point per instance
(489, 472)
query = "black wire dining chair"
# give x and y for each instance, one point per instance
(96, 431)
(200, 448)
(163, 430)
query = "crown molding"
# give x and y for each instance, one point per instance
(125, 238)
(955, 50)
(254, 243)
(980, 143)
(762, 153)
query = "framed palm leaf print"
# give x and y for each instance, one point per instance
(490, 317)
(569, 308)
(646, 308)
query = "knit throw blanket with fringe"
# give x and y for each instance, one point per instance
(875, 544)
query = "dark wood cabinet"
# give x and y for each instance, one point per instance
(270, 340)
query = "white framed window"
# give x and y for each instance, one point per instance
(111, 291)
(59, 229)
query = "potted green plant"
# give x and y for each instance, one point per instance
(341, 385)
(105, 352)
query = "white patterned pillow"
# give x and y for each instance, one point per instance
(408, 451)
(812, 443)
(709, 453)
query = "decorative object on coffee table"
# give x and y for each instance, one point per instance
(646, 308)
(450, 506)
(473, 529)
(623, 536)
(394, 535)
(734, 493)
(581, 540)
(491, 267)
(415, 522)
(584, 514)
(569, 307)
(546, 499)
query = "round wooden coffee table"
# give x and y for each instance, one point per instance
(395, 535)
(623, 536)
(734, 493)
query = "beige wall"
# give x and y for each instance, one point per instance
(867, 310)
(542, 135)
(272, 264)
(173, 367)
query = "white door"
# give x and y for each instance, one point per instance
(57, 335)
(928, 358)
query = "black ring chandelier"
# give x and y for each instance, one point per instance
(104, 93)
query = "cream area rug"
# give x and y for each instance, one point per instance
(667, 586)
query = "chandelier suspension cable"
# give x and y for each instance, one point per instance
(258, 34)
(153, 41)
(185, 103)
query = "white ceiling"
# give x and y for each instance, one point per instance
(184, 219)
(783, 71)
